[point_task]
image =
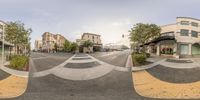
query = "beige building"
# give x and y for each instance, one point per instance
(8, 47)
(49, 40)
(38, 45)
(94, 38)
(180, 39)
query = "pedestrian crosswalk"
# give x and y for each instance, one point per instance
(80, 67)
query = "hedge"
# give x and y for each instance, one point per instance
(18, 61)
(139, 58)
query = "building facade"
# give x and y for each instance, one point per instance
(115, 47)
(94, 38)
(59, 40)
(180, 39)
(8, 47)
(52, 41)
(38, 45)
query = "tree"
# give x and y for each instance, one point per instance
(73, 47)
(66, 46)
(87, 44)
(17, 34)
(141, 33)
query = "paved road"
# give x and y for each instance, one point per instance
(117, 58)
(44, 61)
(3, 75)
(175, 75)
(116, 85)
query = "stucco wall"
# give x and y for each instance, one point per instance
(177, 27)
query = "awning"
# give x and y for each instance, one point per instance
(7, 44)
(162, 38)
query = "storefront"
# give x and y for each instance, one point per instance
(8, 50)
(196, 49)
(167, 47)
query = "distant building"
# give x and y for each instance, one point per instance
(94, 38)
(60, 40)
(115, 47)
(50, 40)
(38, 45)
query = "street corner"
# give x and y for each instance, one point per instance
(148, 86)
(12, 86)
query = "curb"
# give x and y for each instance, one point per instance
(129, 62)
(140, 68)
(15, 72)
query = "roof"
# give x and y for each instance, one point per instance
(168, 25)
(189, 18)
(7, 43)
(91, 34)
(180, 17)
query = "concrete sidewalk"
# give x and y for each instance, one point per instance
(13, 71)
(12, 86)
(148, 86)
(163, 61)
(13, 83)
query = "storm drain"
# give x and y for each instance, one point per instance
(82, 65)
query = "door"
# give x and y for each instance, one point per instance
(184, 49)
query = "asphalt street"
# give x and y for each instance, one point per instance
(44, 61)
(116, 85)
(3, 75)
(117, 58)
(175, 75)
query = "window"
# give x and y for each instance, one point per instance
(194, 34)
(184, 49)
(184, 32)
(184, 22)
(194, 24)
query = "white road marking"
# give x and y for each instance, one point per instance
(80, 74)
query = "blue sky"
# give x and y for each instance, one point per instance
(109, 18)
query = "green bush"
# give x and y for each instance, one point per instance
(139, 58)
(18, 61)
